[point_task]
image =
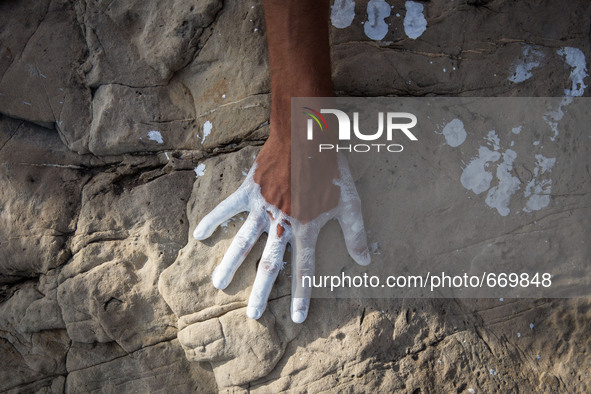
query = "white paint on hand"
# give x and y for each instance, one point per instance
(207, 126)
(342, 13)
(522, 70)
(475, 177)
(154, 135)
(415, 23)
(199, 170)
(499, 196)
(575, 58)
(265, 217)
(454, 133)
(375, 27)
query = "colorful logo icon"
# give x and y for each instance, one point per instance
(317, 117)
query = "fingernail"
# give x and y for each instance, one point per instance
(363, 258)
(253, 312)
(218, 280)
(298, 317)
(199, 232)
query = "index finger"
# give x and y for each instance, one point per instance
(237, 202)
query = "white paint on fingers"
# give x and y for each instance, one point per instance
(234, 204)
(299, 309)
(241, 245)
(269, 266)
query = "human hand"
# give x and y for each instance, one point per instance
(282, 229)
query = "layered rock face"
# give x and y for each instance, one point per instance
(123, 123)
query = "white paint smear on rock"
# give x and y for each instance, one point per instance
(415, 23)
(199, 170)
(538, 190)
(553, 117)
(475, 177)
(207, 126)
(375, 27)
(454, 133)
(154, 135)
(575, 58)
(493, 138)
(342, 13)
(499, 196)
(522, 70)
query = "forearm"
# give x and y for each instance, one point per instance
(299, 57)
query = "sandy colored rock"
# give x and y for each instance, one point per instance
(43, 82)
(116, 301)
(142, 43)
(106, 109)
(36, 350)
(229, 79)
(142, 119)
(161, 367)
(42, 181)
(134, 201)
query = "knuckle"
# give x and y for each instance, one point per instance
(241, 241)
(271, 267)
(305, 272)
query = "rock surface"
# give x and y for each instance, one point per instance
(107, 108)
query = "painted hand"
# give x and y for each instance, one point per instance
(283, 229)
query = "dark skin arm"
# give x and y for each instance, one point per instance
(299, 56)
